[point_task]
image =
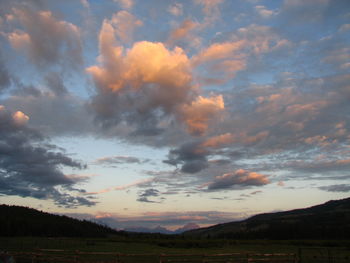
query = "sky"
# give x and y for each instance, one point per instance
(162, 113)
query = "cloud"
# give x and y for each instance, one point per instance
(124, 25)
(261, 39)
(175, 9)
(119, 160)
(198, 114)
(30, 167)
(45, 39)
(19, 118)
(226, 57)
(208, 5)
(193, 156)
(144, 195)
(183, 32)
(126, 4)
(143, 182)
(211, 11)
(85, 3)
(264, 12)
(147, 84)
(238, 51)
(338, 57)
(299, 11)
(238, 179)
(219, 140)
(315, 166)
(170, 219)
(336, 188)
(219, 51)
(55, 83)
(343, 28)
(53, 111)
(5, 77)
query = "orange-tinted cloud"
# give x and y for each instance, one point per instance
(218, 51)
(20, 118)
(163, 77)
(219, 140)
(182, 31)
(238, 178)
(198, 114)
(146, 62)
(126, 4)
(19, 39)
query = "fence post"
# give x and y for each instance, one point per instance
(295, 258)
(329, 252)
(299, 255)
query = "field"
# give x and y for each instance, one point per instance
(165, 249)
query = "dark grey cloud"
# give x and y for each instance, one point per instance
(145, 200)
(145, 194)
(5, 78)
(336, 188)
(30, 167)
(190, 156)
(55, 83)
(141, 117)
(111, 160)
(150, 192)
(53, 111)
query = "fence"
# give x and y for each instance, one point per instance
(62, 256)
(323, 255)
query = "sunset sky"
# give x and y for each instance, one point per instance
(159, 112)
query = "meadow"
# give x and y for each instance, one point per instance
(150, 248)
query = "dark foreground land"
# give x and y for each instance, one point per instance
(173, 249)
(311, 235)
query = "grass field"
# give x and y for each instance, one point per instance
(331, 251)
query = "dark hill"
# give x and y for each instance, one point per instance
(327, 221)
(23, 221)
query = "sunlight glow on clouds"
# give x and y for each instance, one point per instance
(198, 107)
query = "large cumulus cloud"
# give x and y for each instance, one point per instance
(146, 85)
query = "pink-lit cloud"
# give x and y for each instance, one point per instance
(176, 9)
(124, 187)
(238, 179)
(45, 39)
(183, 31)
(162, 76)
(198, 114)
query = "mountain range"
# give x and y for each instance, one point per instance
(330, 220)
(163, 230)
